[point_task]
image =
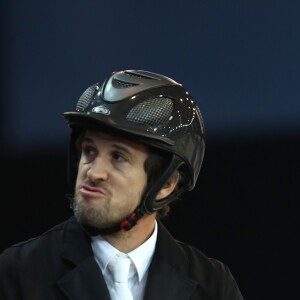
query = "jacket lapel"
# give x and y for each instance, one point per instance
(165, 283)
(84, 282)
(84, 279)
(167, 277)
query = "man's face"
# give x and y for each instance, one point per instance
(111, 179)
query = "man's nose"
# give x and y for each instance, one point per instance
(98, 170)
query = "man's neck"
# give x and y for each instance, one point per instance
(126, 241)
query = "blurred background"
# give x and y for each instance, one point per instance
(241, 62)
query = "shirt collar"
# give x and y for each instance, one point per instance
(103, 251)
(141, 256)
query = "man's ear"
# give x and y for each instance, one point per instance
(168, 188)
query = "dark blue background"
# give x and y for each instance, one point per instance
(241, 62)
(239, 59)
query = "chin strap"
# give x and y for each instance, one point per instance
(131, 220)
(124, 225)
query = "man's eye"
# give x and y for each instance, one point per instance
(88, 151)
(118, 156)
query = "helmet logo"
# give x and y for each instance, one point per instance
(101, 110)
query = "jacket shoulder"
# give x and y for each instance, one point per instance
(211, 272)
(33, 246)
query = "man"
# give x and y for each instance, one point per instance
(137, 143)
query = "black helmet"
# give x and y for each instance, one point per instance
(154, 110)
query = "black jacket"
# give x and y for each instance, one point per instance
(60, 265)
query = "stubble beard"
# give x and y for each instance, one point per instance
(100, 217)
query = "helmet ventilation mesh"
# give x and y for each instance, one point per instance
(137, 75)
(152, 112)
(122, 84)
(85, 98)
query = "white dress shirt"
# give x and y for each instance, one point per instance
(141, 258)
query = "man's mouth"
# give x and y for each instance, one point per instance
(89, 191)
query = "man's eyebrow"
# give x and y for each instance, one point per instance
(122, 147)
(87, 139)
(117, 145)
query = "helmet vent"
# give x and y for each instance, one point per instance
(152, 112)
(85, 98)
(137, 75)
(122, 84)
